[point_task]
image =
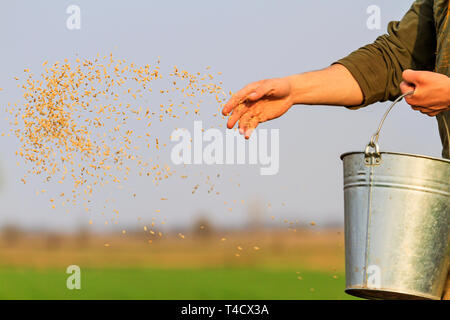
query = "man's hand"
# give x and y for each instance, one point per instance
(258, 102)
(431, 91)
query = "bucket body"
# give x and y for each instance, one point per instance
(397, 212)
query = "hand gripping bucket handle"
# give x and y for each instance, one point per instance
(397, 226)
(372, 151)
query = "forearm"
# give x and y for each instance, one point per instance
(334, 85)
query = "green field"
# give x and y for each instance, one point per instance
(139, 283)
(307, 264)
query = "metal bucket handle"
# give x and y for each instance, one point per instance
(372, 152)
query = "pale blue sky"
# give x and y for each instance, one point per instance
(247, 41)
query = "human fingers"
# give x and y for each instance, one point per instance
(251, 126)
(427, 111)
(412, 76)
(236, 115)
(406, 87)
(244, 121)
(264, 89)
(239, 97)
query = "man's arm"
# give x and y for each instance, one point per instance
(372, 73)
(269, 99)
(334, 85)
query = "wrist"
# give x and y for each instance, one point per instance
(297, 88)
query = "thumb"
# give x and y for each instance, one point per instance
(406, 87)
(258, 93)
(411, 76)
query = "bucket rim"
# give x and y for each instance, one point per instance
(342, 156)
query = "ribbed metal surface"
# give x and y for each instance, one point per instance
(397, 215)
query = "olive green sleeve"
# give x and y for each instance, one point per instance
(409, 44)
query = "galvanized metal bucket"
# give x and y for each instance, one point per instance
(397, 214)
